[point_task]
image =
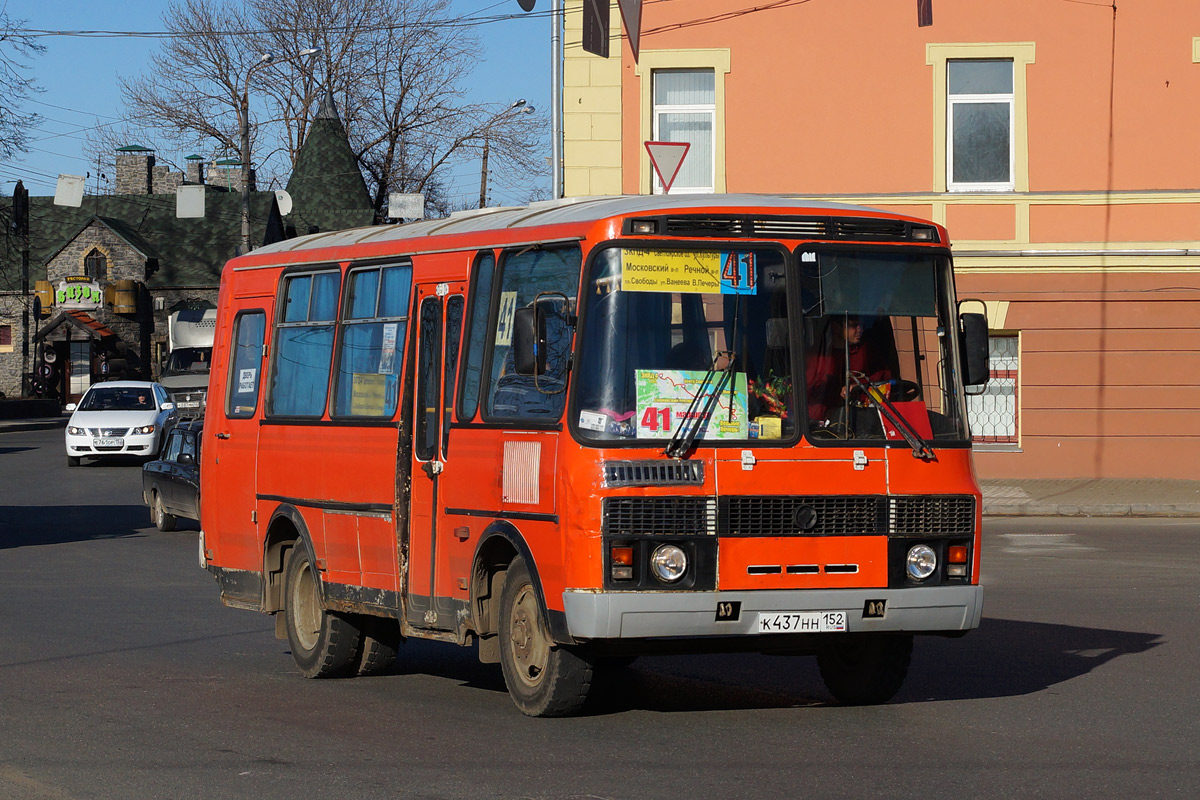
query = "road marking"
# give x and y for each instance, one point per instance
(12, 775)
(1033, 543)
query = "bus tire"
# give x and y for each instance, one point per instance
(161, 519)
(381, 640)
(324, 644)
(864, 669)
(544, 679)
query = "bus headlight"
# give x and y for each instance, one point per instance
(921, 562)
(668, 563)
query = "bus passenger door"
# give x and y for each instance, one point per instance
(439, 315)
(229, 478)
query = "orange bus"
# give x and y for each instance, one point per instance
(586, 430)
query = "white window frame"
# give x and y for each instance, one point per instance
(694, 108)
(991, 98)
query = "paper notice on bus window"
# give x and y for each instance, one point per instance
(368, 392)
(246, 381)
(665, 395)
(688, 271)
(387, 356)
(508, 308)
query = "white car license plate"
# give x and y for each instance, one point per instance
(189, 404)
(802, 622)
(108, 442)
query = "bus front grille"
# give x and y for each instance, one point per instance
(855, 515)
(659, 516)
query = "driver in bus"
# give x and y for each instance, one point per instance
(825, 372)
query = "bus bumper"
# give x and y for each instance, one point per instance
(640, 615)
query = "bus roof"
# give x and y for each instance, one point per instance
(578, 210)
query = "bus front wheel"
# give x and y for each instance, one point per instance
(324, 644)
(864, 669)
(544, 679)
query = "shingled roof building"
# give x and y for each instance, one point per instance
(108, 274)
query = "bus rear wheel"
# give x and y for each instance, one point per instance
(544, 679)
(324, 644)
(381, 641)
(865, 669)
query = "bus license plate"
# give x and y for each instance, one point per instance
(108, 442)
(796, 622)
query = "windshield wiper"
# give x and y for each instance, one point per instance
(920, 448)
(694, 421)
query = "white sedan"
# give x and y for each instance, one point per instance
(119, 418)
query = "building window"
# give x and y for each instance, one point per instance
(6, 342)
(993, 414)
(685, 110)
(979, 124)
(95, 265)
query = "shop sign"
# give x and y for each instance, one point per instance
(78, 292)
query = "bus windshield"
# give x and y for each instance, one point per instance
(699, 345)
(686, 338)
(879, 363)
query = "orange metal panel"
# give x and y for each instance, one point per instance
(867, 553)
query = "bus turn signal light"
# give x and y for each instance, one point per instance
(622, 563)
(956, 554)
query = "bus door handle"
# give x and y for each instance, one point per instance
(432, 468)
(222, 435)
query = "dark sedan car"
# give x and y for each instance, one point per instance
(171, 485)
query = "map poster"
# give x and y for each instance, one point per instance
(664, 395)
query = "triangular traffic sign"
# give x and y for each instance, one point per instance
(631, 18)
(666, 158)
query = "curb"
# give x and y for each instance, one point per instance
(1091, 510)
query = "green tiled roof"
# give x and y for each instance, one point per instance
(326, 186)
(327, 192)
(190, 252)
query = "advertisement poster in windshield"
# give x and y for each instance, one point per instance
(666, 398)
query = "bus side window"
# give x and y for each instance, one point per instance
(371, 342)
(477, 327)
(300, 367)
(246, 365)
(524, 275)
(454, 321)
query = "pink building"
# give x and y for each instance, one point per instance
(1056, 139)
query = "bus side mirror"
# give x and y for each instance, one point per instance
(529, 340)
(973, 347)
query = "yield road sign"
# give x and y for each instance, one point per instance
(666, 158)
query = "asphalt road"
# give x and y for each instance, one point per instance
(122, 676)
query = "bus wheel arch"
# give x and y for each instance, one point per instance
(285, 531)
(499, 546)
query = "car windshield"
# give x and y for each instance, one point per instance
(118, 398)
(686, 345)
(188, 359)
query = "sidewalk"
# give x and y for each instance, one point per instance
(1013, 497)
(1088, 497)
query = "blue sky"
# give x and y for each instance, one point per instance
(79, 76)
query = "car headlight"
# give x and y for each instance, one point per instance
(668, 563)
(145, 429)
(921, 562)
(71, 429)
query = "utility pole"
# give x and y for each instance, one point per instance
(21, 223)
(483, 179)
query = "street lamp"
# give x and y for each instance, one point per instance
(483, 173)
(244, 123)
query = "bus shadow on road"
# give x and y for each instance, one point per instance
(1003, 658)
(27, 526)
(1010, 658)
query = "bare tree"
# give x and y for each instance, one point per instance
(396, 69)
(16, 49)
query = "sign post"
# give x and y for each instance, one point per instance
(666, 158)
